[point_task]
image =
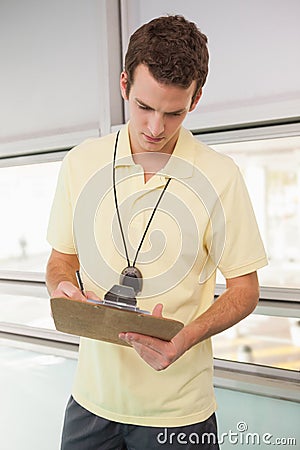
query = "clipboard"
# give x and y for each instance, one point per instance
(104, 323)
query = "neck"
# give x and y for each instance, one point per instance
(151, 162)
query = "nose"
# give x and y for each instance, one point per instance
(156, 124)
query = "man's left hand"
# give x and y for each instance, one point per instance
(157, 353)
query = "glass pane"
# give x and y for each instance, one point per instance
(254, 340)
(26, 194)
(271, 169)
(30, 307)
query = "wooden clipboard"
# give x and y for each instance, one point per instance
(104, 323)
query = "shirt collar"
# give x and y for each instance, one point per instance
(180, 164)
(124, 156)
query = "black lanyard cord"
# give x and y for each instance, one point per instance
(116, 199)
(118, 212)
(150, 220)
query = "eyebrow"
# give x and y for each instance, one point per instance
(140, 102)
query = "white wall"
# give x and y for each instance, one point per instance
(54, 77)
(61, 61)
(254, 56)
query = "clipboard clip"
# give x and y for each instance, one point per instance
(122, 297)
(120, 294)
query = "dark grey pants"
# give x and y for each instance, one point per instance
(84, 431)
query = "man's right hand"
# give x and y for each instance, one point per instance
(61, 277)
(67, 289)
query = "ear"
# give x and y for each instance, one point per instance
(123, 84)
(196, 100)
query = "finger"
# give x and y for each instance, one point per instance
(155, 344)
(75, 294)
(151, 357)
(155, 352)
(91, 295)
(66, 289)
(156, 359)
(131, 338)
(157, 310)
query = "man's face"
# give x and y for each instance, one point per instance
(156, 111)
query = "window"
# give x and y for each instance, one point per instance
(271, 168)
(24, 306)
(26, 194)
(253, 341)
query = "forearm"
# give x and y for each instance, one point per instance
(59, 270)
(236, 303)
(239, 300)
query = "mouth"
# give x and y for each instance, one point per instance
(152, 140)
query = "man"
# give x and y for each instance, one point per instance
(154, 392)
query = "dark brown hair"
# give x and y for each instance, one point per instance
(173, 49)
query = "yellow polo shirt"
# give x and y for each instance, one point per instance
(204, 221)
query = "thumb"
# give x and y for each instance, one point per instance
(157, 310)
(91, 295)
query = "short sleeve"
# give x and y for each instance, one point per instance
(243, 250)
(60, 226)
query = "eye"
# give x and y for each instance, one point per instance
(175, 114)
(145, 108)
(142, 106)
